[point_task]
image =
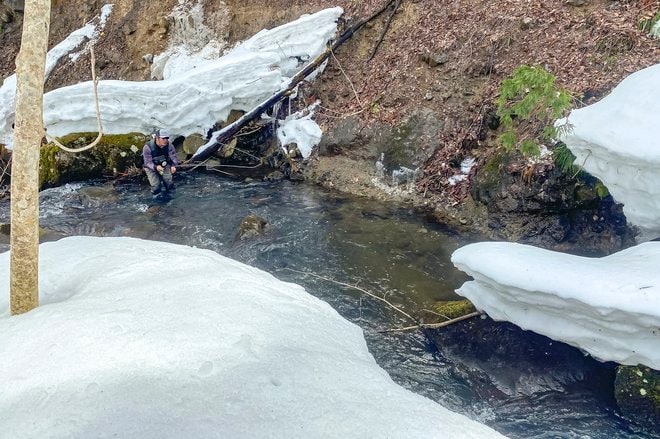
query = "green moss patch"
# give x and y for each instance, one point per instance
(454, 309)
(637, 392)
(114, 154)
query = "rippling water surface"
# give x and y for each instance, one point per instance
(496, 378)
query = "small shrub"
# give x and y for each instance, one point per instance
(649, 22)
(564, 159)
(528, 105)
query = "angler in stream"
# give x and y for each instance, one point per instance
(160, 163)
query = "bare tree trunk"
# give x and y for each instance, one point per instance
(30, 68)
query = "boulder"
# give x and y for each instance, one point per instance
(552, 209)
(341, 137)
(94, 196)
(413, 141)
(501, 360)
(251, 226)
(637, 392)
(192, 143)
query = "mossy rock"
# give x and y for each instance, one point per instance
(233, 116)
(5, 233)
(454, 309)
(114, 154)
(5, 153)
(637, 392)
(490, 177)
(192, 143)
(251, 226)
(413, 141)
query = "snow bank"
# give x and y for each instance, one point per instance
(616, 139)
(190, 103)
(194, 101)
(609, 307)
(153, 340)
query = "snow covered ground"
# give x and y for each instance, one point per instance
(198, 96)
(616, 140)
(142, 339)
(608, 307)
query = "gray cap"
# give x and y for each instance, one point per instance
(162, 133)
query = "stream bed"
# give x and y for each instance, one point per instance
(522, 384)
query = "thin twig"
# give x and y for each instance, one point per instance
(584, 162)
(221, 172)
(281, 50)
(185, 164)
(437, 314)
(343, 115)
(211, 167)
(5, 170)
(347, 78)
(238, 166)
(248, 133)
(230, 130)
(452, 321)
(247, 153)
(436, 325)
(356, 288)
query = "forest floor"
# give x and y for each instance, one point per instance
(452, 56)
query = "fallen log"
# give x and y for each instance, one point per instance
(221, 137)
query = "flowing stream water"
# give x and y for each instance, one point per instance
(388, 250)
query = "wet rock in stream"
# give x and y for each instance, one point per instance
(501, 360)
(637, 391)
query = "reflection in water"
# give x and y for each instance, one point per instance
(387, 250)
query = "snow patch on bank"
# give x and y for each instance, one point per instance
(616, 140)
(609, 307)
(89, 32)
(300, 130)
(125, 346)
(191, 43)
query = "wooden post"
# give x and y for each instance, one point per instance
(28, 132)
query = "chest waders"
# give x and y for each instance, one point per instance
(160, 156)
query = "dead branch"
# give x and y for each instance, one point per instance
(436, 325)
(362, 290)
(230, 130)
(387, 26)
(357, 98)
